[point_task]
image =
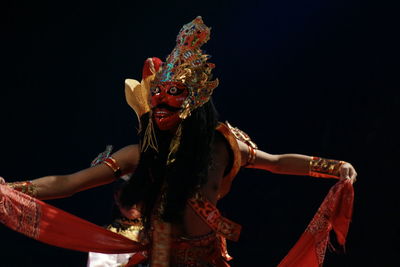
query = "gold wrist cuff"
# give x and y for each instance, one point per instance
(26, 187)
(325, 168)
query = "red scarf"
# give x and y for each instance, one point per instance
(334, 213)
(53, 226)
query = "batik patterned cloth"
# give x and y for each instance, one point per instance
(334, 214)
(53, 226)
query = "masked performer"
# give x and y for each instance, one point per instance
(185, 162)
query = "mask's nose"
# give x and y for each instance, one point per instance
(159, 98)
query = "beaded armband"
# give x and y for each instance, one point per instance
(102, 156)
(245, 138)
(325, 168)
(105, 158)
(26, 187)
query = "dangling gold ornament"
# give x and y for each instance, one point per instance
(174, 145)
(149, 139)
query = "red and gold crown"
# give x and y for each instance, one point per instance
(187, 64)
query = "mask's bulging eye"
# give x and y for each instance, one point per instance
(173, 90)
(154, 90)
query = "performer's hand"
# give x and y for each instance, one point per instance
(347, 171)
(2, 181)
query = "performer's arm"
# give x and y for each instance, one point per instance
(296, 164)
(59, 186)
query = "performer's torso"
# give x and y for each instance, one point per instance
(193, 226)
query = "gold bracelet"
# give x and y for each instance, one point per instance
(325, 168)
(26, 187)
(112, 164)
(251, 158)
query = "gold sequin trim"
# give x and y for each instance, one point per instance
(325, 168)
(26, 187)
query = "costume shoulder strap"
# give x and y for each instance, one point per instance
(236, 161)
(232, 135)
(209, 213)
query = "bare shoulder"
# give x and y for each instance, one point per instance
(221, 156)
(221, 148)
(219, 162)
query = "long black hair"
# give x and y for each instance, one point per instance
(180, 179)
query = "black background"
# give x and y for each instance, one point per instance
(310, 77)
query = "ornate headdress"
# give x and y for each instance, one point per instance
(185, 64)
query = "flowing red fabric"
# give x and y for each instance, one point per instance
(53, 226)
(334, 213)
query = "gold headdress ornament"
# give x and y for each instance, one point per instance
(187, 64)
